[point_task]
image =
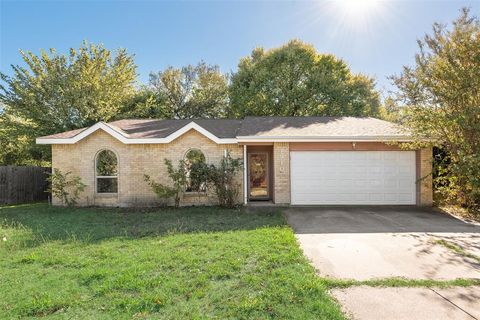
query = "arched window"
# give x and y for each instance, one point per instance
(106, 172)
(195, 164)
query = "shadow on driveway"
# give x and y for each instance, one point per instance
(374, 219)
(365, 242)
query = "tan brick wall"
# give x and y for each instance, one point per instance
(135, 160)
(281, 168)
(424, 177)
(139, 159)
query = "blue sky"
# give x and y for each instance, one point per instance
(373, 37)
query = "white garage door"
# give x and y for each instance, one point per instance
(352, 177)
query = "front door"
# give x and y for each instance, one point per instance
(258, 186)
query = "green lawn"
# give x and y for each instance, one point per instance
(193, 263)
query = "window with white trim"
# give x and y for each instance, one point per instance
(106, 172)
(195, 164)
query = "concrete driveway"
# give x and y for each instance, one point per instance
(378, 242)
(365, 243)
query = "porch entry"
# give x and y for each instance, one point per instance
(259, 175)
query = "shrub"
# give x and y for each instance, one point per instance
(179, 178)
(223, 180)
(66, 188)
(162, 192)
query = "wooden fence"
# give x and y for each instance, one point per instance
(23, 184)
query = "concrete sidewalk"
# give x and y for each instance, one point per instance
(367, 303)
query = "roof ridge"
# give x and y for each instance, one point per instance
(118, 129)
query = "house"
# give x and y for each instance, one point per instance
(289, 160)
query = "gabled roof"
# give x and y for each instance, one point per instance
(223, 131)
(221, 128)
(151, 131)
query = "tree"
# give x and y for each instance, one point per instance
(295, 80)
(441, 92)
(15, 147)
(145, 104)
(391, 110)
(54, 93)
(199, 91)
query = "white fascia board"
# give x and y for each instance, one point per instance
(114, 133)
(201, 130)
(100, 125)
(243, 139)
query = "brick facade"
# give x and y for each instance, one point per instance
(135, 160)
(424, 177)
(281, 169)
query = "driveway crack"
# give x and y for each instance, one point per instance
(454, 304)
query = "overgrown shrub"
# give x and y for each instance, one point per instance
(163, 192)
(64, 187)
(179, 178)
(222, 178)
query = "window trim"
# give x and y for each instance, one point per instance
(106, 177)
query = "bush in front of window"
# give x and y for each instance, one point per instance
(223, 180)
(196, 171)
(200, 176)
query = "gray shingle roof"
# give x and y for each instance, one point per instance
(64, 135)
(318, 127)
(256, 126)
(221, 128)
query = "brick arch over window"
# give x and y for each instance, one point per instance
(106, 172)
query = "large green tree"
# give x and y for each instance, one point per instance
(199, 91)
(442, 95)
(296, 80)
(54, 92)
(145, 104)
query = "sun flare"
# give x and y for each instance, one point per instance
(357, 16)
(358, 7)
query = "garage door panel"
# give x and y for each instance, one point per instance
(357, 177)
(390, 197)
(390, 185)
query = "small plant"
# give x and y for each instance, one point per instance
(223, 180)
(64, 187)
(162, 192)
(179, 178)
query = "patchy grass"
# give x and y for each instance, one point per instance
(400, 282)
(463, 213)
(188, 263)
(457, 249)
